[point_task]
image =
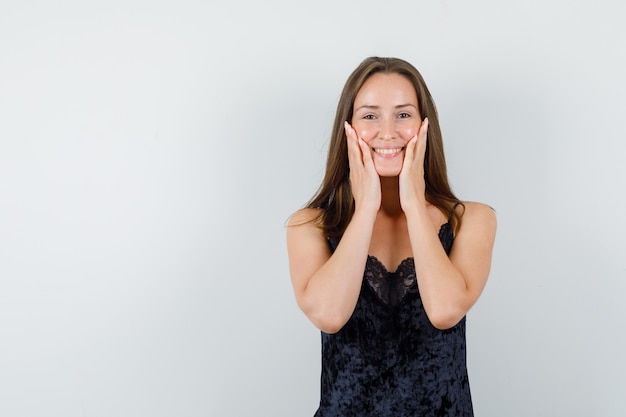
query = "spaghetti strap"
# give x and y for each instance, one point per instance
(452, 220)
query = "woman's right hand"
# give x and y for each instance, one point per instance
(364, 179)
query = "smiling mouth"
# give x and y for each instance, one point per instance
(387, 151)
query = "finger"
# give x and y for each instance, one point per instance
(409, 152)
(422, 138)
(354, 154)
(350, 135)
(365, 151)
(409, 155)
(423, 130)
(348, 129)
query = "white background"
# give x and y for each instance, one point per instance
(151, 152)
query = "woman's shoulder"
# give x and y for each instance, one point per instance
(478, 213)
(305, 234)
(306, 216)
(475, 207)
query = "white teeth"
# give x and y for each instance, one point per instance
(387, 151)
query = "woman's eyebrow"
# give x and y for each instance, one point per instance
(367, 106)
(406, 105)
(372, 107)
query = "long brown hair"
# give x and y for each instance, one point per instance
(334, 196)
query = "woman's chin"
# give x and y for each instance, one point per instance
(388, 171)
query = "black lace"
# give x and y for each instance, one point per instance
(390, 287)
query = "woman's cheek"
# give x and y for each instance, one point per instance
(410, 132)
(365, 133)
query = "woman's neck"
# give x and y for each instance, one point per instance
(390, 193)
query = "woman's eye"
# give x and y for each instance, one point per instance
(369, 117)
(404, 115)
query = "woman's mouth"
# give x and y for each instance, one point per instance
(387, 152)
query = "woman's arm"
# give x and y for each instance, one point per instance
(449, 286)
(327, 285)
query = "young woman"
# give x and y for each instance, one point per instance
(385, 260)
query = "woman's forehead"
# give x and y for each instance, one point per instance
(386, 89)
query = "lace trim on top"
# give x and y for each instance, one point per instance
(391, 287)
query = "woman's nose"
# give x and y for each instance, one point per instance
(387, 128)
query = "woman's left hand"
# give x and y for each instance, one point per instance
(412, 186)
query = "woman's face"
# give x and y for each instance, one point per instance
(386, 116)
